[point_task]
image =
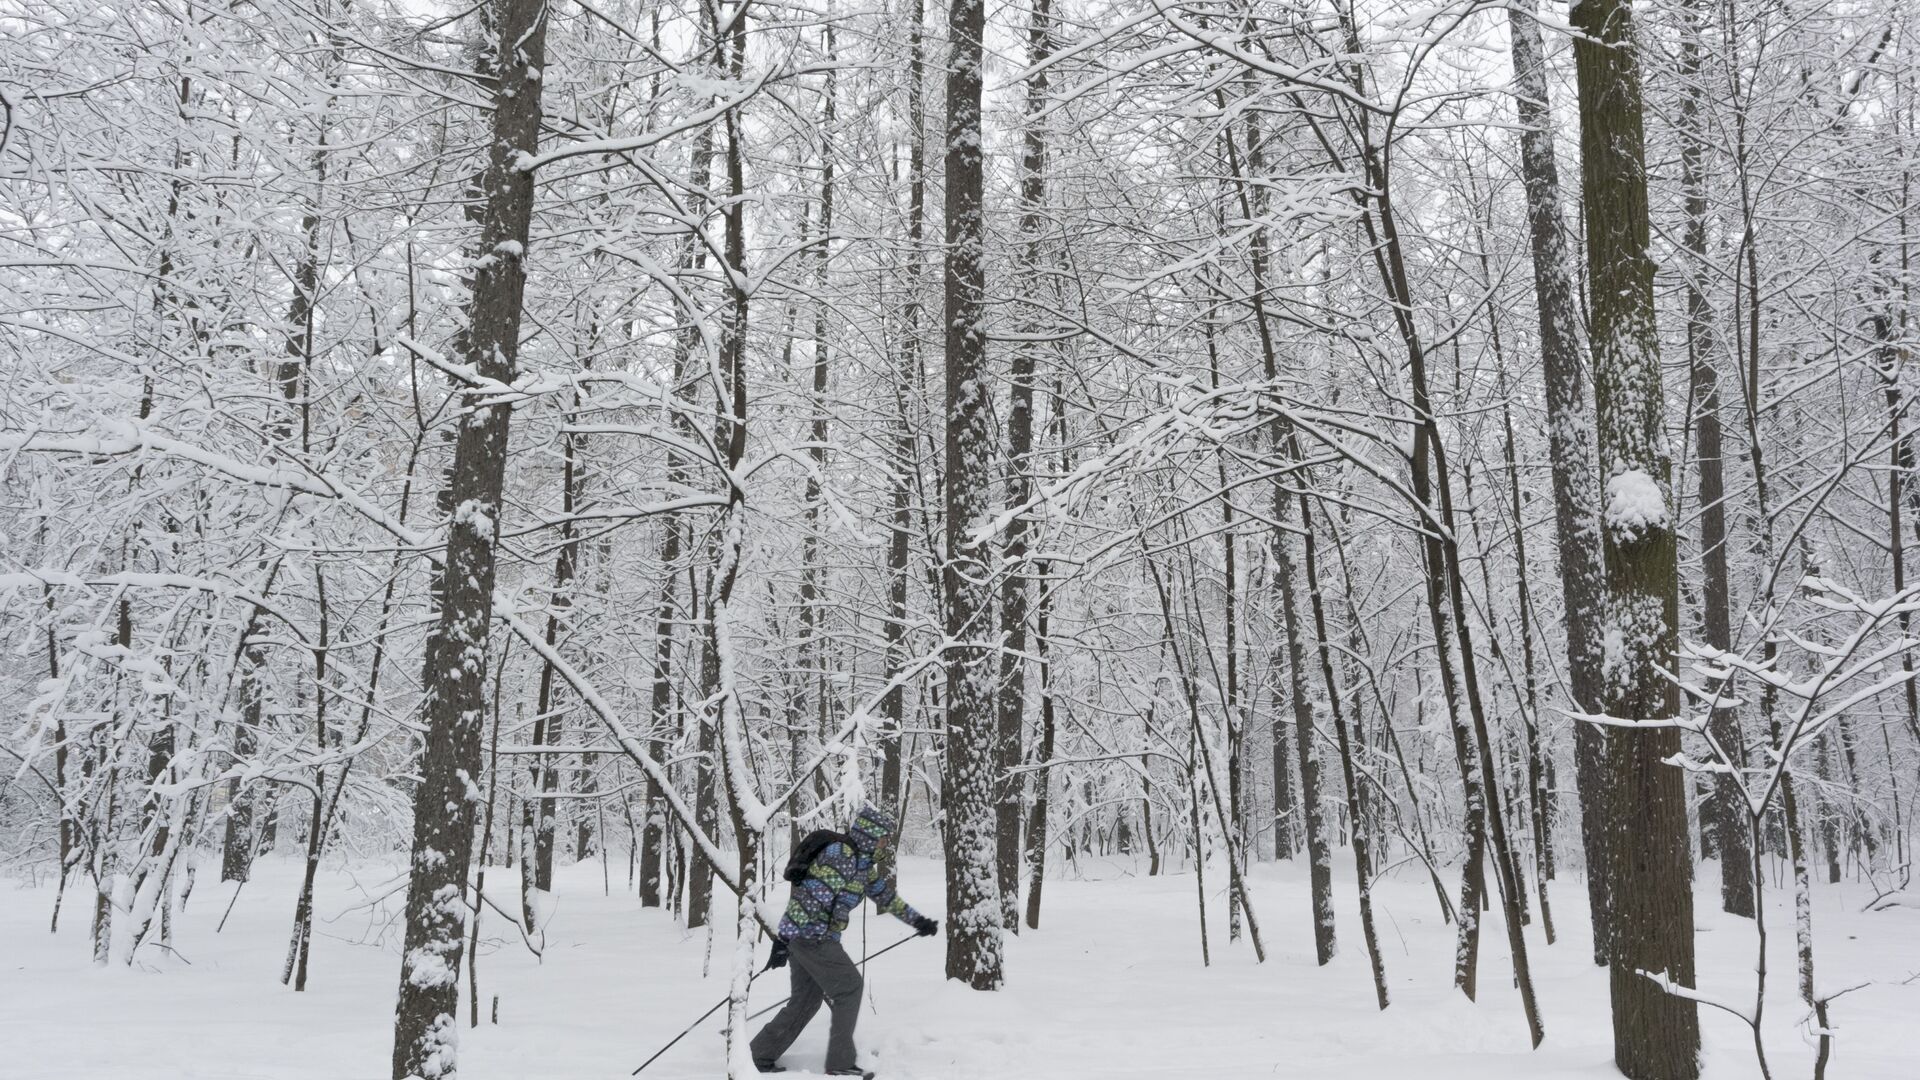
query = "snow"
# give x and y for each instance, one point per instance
(1110, 988)
(543, 906)
(474, 514)
(1634, 502)
(429, 969)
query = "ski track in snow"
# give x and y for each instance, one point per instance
(1111, 988)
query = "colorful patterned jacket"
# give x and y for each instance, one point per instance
(840, 875)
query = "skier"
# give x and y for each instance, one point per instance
(830, 873)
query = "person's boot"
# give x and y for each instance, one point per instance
(854, 1071)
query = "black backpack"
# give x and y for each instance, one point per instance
(809, 849)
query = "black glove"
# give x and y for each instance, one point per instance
(777, 958)
(927, 927)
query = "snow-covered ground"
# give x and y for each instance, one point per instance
(1111, 987)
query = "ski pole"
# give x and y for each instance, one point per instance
(722, 1002)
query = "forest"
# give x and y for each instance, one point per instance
(1353, 539)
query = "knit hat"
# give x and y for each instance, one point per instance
(872, 828)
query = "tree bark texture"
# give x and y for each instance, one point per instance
(448, 796)
(974, 916)
(1645, 846)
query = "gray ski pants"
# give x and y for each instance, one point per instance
(822, 971)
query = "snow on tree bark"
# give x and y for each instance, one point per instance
(974, 915)
(1570, 438)
(448, 795)
(1645, 846)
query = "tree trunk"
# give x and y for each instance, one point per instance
(1724, 813)
(236, 848)
(298, 948)
(1282, 445)
(814, 661)
(1532, 768)
(1362, 849)
(1570, 444)
(1645, 844)
(69, 826)
(1230, 622)
(729, 434)
(1441, 553)
(675, 540)
(653, 836)
(547, 711)
(1014, 589)
(974, 914)
(893, 706)
(1043, 778)
(1285, 806)
(1037, 826)
(425, 1026)
(706, 763)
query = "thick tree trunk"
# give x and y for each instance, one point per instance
(726, 729)
(425, 1027)
(974, 914)
(1015, 601)
(1645, 845)
(1306, 750)
(729, 434)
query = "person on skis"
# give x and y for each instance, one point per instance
(831, 872)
